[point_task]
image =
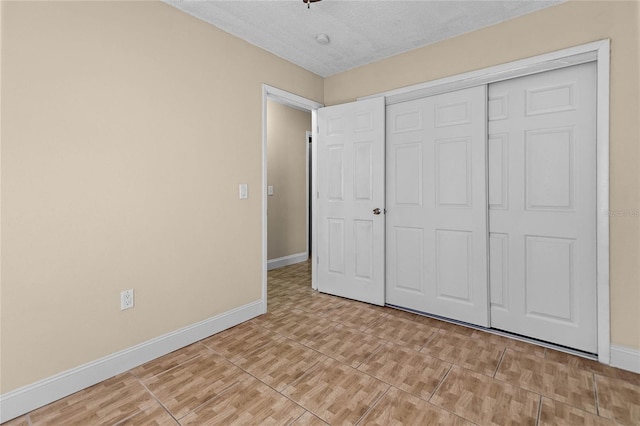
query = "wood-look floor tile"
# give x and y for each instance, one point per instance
(356, 315)
(248, 402)
(184, 388)
(108, 403)
(618, 400)
(18, 421)
(169, 361)
(554, 413)
(239, 340)
(402, 331)
(483, 400)
(157, 416)
(551, 379)
(592, 366)
(335, 392)
(407, 369)
(506, 342)
(467, 352)
(399, 408)
(346, 345)
(320, 304)
(308, 419)
(456, 328)
(298, 325)
(421, 319)
(280, 362)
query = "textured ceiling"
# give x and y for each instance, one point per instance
(360, 32)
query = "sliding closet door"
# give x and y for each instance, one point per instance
(437, 205)
(542, 206)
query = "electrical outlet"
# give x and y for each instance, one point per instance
(126, 299)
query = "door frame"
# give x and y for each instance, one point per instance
(298, 102)
(598, 52)
(308, 135)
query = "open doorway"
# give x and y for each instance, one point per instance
(282, 98)
(287, 184)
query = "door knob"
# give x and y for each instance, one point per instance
(376, 211)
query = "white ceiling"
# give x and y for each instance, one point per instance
(360, 31)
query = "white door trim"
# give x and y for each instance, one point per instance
(304, 104)
(598, 51)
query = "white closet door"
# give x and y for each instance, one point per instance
(351, 200)
(437, 205)
(542, 206)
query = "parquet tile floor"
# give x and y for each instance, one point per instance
(315, 359)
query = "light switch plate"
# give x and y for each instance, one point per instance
(244, 191)
(270, 190)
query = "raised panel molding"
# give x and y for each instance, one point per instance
(409, 253)
(363, 238)
(335, 126)
(498, 107)
(498, 147)
(336, 246)
(407, 122)
(408, 178)
(453, 114)
(363, 170)
(336, 173)
(454, 271)
(549, 270)
(550, 169)
(362, 121)
(453, 172)
(545, 100)
(499, 270)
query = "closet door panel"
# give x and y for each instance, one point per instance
(437, 206)
(542, 206)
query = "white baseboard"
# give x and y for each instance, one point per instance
(625, 358)
(287, 260)
(43, 392)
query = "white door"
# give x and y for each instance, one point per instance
(542, 206)
(351, 200)
(437, 205)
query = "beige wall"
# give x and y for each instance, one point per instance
(286, 172)
(554, 28)
(126, 129)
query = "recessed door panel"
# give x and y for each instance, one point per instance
(336, 246)
(453, 172)
(336, 173)
(409, 255)
(406, 121)
(408, 174)
(363, 168)
(549, 278)
(498, 171)
(499, 270)
(363, 239)
(453, 114)
(548, 100)
(550, 169)
(454, 265)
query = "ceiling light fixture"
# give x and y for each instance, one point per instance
(308, 2)
(322, 38)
